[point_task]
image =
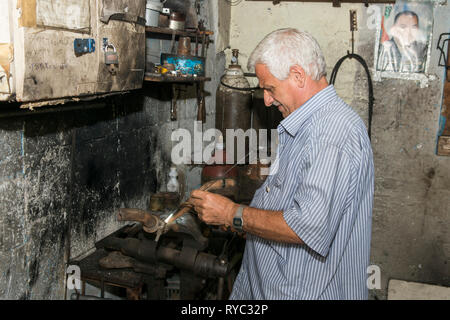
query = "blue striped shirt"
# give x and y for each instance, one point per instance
(323, 183)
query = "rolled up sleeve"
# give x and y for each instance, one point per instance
(320, 198)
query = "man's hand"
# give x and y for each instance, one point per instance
(212, 208)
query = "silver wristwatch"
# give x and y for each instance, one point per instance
(238, 221)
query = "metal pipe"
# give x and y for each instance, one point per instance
(220, 288)
(150, 222)
(200, 263)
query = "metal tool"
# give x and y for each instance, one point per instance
(162, 228)
(353, 27)
(201, 113)
(148, 252)
(173, 107)
(210, 185)
(117, 260)
(151, 223)
(154, 224)
(172, 42)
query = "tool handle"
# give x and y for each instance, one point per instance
(201, 113)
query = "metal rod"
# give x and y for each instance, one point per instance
(220, 288)
(196, 44)
(203, 45)
(172, 43)
(102, 293)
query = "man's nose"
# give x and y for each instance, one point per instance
(268, 100)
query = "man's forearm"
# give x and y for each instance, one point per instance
(215, 209)
(269, 225)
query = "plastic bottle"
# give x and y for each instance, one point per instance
(172, 184)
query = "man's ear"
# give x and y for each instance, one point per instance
(298, 74)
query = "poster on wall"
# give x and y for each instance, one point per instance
(404, 40)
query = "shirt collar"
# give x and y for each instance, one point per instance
(293, 122)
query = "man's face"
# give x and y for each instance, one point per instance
(280, 93)
(405, 30)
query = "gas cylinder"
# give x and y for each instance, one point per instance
(233, 106)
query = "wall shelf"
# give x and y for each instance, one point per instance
(155, 77)
(201, 37)
(185, 33)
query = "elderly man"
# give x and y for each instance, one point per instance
(309, 226)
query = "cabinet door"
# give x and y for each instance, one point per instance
(122, 24)
(46, 64)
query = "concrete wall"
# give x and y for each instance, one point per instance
(62, 176)
(410, 239)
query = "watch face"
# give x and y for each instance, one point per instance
(237, 222)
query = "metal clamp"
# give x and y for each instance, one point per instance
(82, 46)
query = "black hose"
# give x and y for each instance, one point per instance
(369, 80)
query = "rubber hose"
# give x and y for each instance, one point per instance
(369, 80)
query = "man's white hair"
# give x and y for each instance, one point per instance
(284, 48)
